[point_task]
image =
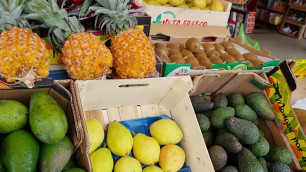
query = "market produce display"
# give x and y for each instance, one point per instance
(231, 133)
(215, 5)
(203, 55)
(34, 138)
(123, 150)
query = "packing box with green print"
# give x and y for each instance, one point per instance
(287, 94)
(217, 37)
(187, 16)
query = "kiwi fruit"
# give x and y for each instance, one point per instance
(165, 59)
(213, 53)
(182, 46)
(193, 44)
(219, 47)
(216, 60)
(177, 59)
(162, 48)
(199, 53)
(249, 56)
(227, 57)
(239, 57)
(251, 64)
(227, 45)
(175, 52)
(232, 51)
(196, 66)
(206, 62)
(191, 60)
(186, 52)
(208, 46)
(173, 46)
(160, 51)
(257, 62)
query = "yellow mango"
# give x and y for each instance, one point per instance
(166, 131)
(96, 134)
(119, 139)
(172, 158)
(102, 160)
(146, 149)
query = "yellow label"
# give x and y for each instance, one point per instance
(300, 68)
(279, 95)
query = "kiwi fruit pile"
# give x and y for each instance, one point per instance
(201, 55)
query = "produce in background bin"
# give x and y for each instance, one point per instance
(84, 55)
(204, 55)
(23, 54)
(134, 56)
(192, 4)
(240, 145)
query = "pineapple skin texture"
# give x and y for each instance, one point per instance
(22, 49)
(134, 56)
(86, 57)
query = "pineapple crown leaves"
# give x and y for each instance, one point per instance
(11, 14)
(49, 15)
(114, 14)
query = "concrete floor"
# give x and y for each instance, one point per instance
(281, 46)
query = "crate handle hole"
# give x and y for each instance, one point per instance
(134, 85)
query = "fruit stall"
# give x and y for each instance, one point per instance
(143, 86)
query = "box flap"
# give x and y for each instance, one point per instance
(131, 91)
(186, 31)
(286, 69)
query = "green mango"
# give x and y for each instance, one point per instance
(13, 116)
(54, 157)
(47, 119)
(20, 151)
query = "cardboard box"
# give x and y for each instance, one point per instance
(61, 92)
(110, 100)
(179, 34)
(244, 82)
(288, 84)
(185, 16)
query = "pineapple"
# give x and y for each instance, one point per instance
(134, 56)
(23, 55)
(84, 55)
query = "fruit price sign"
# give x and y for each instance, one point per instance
(279, 94)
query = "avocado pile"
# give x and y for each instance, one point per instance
(34, 138)
(234, 142)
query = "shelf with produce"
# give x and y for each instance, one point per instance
(291, 20)
(299, 29)
(297, 7)
(271, 10)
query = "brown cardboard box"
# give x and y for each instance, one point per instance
(110, 100)
(178, 34)
(61, 92)
(244, 82)
(187, 16)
